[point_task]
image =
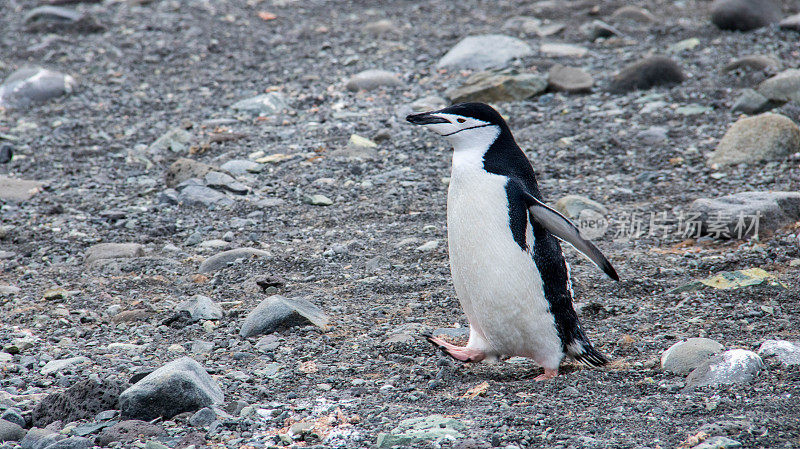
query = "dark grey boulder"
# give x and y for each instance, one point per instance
(278, 312)
(82, 400)
(647, 73)
(182, 385)
(744, 15)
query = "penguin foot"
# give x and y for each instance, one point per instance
(548, 374)
(461, 353)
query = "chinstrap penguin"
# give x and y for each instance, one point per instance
(505, 257)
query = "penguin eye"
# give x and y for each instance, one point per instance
(461, 120)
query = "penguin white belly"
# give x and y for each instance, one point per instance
(498, 284)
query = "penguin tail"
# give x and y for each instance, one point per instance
(584, 352)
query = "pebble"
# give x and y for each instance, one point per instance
(37, 438)
(222, 181)
(18, 190)
(317, 200)
(776, 209)
(786, 352)
(563, 50)
(69, 364)
(646, 74)
(491, 87)
(203, 417)
(528, 25)
(569, 79)
(201, 307)
(415, 431)
(180, 386)
(428, 246)
(176, 140)
(743, 15)
(9, 290)
(32, 85)
(6, 153)
(129, 431)
(790, 23)
(113, 251)
(372, 80)
(430, 103)
(752, 102)
(683, 357)
(484, 51)
(224, 258)
(785, 86)
(262, 105)
(278, 312)
(379, 27)
(202, 196)
(753, 63)
(654, 135)
(765, 137)
(572, 206)
(718, 442)
(597, 29)
(736, 366)
(241, 167)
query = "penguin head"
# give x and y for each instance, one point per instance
(462, 122)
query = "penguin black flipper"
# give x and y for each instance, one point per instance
(561, 227)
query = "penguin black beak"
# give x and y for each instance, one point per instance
(426, 118)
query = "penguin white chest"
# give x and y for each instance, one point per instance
(497, 282)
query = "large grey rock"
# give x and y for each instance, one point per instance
(83, 400)
(414, 432)
(31, 85)
(683, 357)
(736, 212)
(180, 386)
(278, 312)
(744, 15)
(201, 307)
(202, 196)
(113, 251)
(129, 431)
(266, 104)
(765, 137)
(37, 438)
(221, 260)
(10, 431)
(786, 352)
(737, 366)
(18, 190)
(372, 79)
(647, 73)
(569, 79)
(483, 52)
(783, 87)
(491, 87)
(68, 364)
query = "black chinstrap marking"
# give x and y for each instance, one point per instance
(467, 129)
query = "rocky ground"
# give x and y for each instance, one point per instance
(176, 131)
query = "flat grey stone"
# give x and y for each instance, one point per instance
(372, 79)
(180, 386)
(266, 104)
(765, 137)
(753, 63)
(195, 195)
(492, 87)
(55, 366)
(277, 312)
(413, 432)
(557, 49)
(632, 13)
(113, 251)
(203, 417)
(483, 52)
(56, 18)
(732, 213)
(597, 29)
(569, 79)
(786, 352)
(241, 166)
(683, 357)
(32, 85)
(18, 190)
(736, 366)
(201, 308)
(572, 206)
(317, 200)
(221, 260)
(752, 102)
(176, 140)
(718, 442)
(128, 431)
(219, 180)
(71, 443)
(784, 86)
